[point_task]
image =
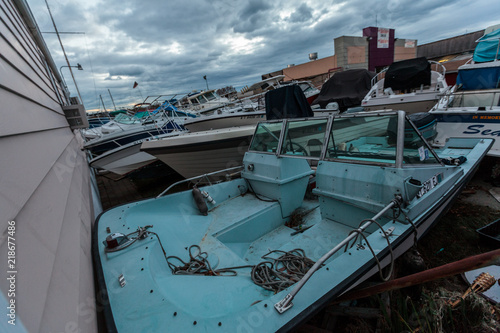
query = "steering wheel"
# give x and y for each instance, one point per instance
(300, 149)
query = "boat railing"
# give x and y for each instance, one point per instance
(439, 67)
(483, 100)
(286, 303)
(205, 176)
(380, 75)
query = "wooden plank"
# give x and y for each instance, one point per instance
(460, 266)
(495, 192)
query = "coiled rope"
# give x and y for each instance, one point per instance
(277, 274)
(198, 264)
(273, 274)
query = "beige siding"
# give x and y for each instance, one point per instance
(311, 68)
(403, 53)
(44, 187)
(356, 55)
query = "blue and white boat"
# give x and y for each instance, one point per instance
(125, 129)
(264, 252)
(472, 107)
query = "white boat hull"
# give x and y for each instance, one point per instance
(409, 104)
(463, 124)
(123, 161)
(206, 123)
(194, 154)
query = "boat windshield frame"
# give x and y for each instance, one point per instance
(267, 140)
(450, 99)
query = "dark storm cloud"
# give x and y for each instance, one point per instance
(302, 14)
(129, 70)
(167, 47)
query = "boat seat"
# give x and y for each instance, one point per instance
(314, 146)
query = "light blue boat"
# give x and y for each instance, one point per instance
(322, 204)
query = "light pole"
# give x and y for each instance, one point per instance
(205, 77)
(80, 68)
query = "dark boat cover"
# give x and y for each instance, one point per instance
(408, 74)
(287, 102)
(347, 88)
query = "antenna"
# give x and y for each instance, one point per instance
(103, 104)
(112, 99)
(64, 52)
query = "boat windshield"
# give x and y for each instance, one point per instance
(266, 137)
(123, 118)
(374, 139)
(306, 87)
(486, 99)
(364, 138)
(368, 139)
(210, 96)
(304, 138)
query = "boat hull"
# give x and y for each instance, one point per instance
(468, 124)
(194, 154)
(411, 104)
(247, 217)
(123, 161)
(206, 123)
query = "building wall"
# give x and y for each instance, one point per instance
(405, 49)
(44, 186)
(310, 69)
(351, 52)
(455, 45)
(379, 56)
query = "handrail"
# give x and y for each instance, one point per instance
(286, 303)
(197, 177)
(375, 79)
(443, 69)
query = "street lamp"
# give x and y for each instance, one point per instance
(78, 66)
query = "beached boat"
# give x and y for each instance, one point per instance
(256, 253)
(127, 129)
(204, 102)
(346, 88)
(195, 153)
(127, 158)
(192, 154)
(472, 107)
(224, 119)
(412, 85)
(251, 109)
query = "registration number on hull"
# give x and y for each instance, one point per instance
(430, 184)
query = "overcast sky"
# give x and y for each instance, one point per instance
(168, 46)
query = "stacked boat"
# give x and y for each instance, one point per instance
(409, 85)
(195, 153)
(117, 148)
(472, 108)
(256, 253)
